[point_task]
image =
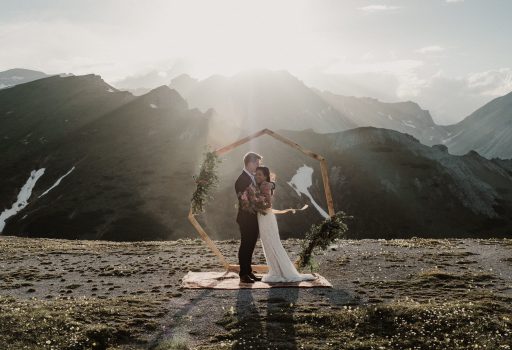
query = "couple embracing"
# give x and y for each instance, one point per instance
(255, 182)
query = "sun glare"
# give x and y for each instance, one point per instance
(230, 36)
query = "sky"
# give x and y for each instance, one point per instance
(449, 56)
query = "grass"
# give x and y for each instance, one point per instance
(176, 343)
(78, 323)
(404, 294)
(432, 284)
(406, 324)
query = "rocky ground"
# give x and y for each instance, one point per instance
(387, 294)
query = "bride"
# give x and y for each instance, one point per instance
(281, 269)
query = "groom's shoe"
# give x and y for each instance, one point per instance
(253, 276)
(246, 279)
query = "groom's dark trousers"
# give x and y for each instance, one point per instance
(249, 230)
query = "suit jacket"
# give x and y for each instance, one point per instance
(244, 217)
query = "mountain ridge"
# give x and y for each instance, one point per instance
(127, 166)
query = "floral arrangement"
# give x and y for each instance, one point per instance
(321, 235)
(206, 181)
(253, 201)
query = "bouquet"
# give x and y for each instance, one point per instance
(253, 201)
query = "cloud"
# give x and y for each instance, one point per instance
(430, 49)
(118, 41)
(494, 83)
(402, 70)
(378, 8)
(448, 98)
(453, 1)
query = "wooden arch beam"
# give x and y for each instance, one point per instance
(230, 147)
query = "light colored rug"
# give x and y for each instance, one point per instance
(230, 280)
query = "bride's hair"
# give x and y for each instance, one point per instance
(269, 177)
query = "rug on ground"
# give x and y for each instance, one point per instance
(231, 280)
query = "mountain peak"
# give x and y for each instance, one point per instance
(68, 85)
(183, 83)
(183, 78)
(20, 71)
(16, 76)
(164, 97)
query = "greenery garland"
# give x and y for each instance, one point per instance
(206, 181)
(320, 236)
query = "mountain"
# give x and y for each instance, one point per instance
(43, 111)
(17, 76)
(407, 117)
(124, 172)
(488, 130)
(121, 168)
(252, 100)
(393, 185)
(255, 99)
(143, 82)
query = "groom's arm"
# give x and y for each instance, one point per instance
(240, 186)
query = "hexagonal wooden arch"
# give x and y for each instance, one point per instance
(228, 148)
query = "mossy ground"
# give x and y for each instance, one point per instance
(387, 294)
(76, 323)
(484, 323)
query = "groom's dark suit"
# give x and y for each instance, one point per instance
(249, 229)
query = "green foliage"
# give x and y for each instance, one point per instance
(320, 236)
(176, 343)
(206, 181)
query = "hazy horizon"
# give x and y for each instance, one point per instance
(449, 56)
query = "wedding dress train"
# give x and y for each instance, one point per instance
(281, 268)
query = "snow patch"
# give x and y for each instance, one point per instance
(451, 138)
(57, 182)
(153, 106)
(110, 90)
(385, 115)
(408, 123)
(23, 196)
(303, 180)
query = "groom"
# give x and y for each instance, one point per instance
(247, 222)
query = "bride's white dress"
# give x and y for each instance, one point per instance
(281, 268)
